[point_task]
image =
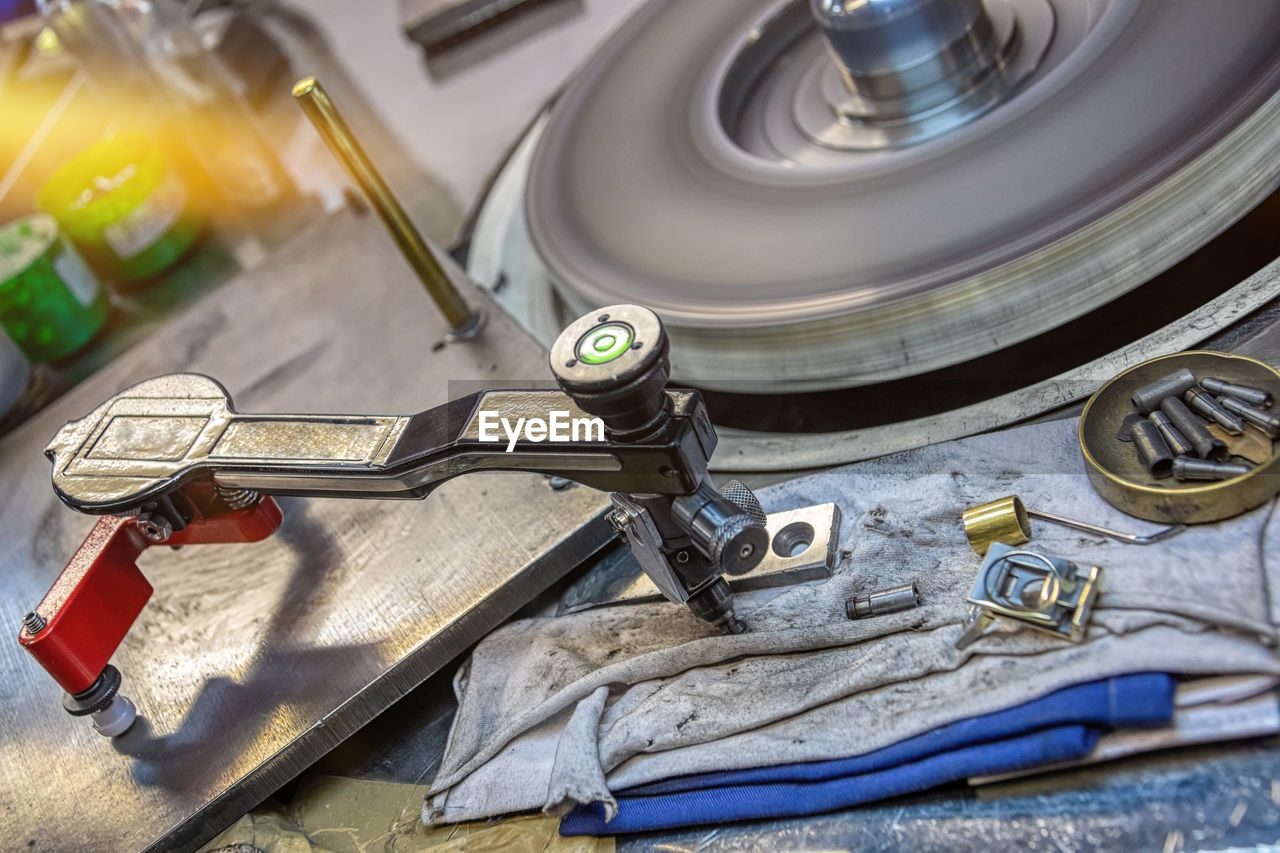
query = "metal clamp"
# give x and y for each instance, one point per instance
(1047, 593)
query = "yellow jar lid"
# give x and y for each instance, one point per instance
(104, 183)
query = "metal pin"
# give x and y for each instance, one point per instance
(1253, 396)
(1008, 521)
(905, 597)
(1177, 441)
(1130, 538)
(1149, 397)
(1185, 468)
(314, 101)
(1264, 421)
(1206, 446)
(1204, 404)
(1151, 448)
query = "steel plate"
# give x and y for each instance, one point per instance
(252, 661)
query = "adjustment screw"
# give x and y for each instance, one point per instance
(618, 518)
(156, 528)
(34, 623)
(682, 557)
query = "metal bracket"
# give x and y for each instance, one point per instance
(634, 522)
(804, 545)
(1046, 593)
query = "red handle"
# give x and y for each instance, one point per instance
(100, 593)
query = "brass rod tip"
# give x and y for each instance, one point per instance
(304, 87)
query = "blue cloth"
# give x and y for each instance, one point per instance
(1059, 727)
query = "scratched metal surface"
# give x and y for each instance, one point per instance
(251, 661)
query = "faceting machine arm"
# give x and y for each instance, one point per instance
(169, 461)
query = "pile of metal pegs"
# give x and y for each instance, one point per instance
(1195, 428)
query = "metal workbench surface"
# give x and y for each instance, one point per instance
(252, 661)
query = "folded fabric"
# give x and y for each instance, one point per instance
(1062, 726)
(563, 711)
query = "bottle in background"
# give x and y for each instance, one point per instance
(51, 304)
(148, 65)
(125, 206)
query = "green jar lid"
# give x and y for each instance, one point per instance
(23, 241)
(51, 304)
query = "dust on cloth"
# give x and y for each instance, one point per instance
(557, 712)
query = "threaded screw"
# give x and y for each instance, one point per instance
(34, 623)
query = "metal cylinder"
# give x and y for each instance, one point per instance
(1265, 421)
(1152, 449)
(714, 604)
(1185, 468)
(1206, 446)
(1004, 520)
(902, 57)
(1149, 397)
(905, 597)
(1204, 404)
(729, 537)
(1177, 442)
(1253, 396)
(614, 364)
(314, 101)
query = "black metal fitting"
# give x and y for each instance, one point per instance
(729, 537)
(714, 603)
(97, 697)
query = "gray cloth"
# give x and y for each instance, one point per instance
(558, 711)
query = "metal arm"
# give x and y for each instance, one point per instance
(179, 464)
(149, 441)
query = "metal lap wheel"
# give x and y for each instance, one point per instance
(807, 212)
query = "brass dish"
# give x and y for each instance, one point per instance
(1116, 473)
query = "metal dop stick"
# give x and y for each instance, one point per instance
(464, 323)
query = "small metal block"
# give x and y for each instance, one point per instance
(905, 597)
(1149, 397)
(804, 546)
(1202, 469)
(1253, 396)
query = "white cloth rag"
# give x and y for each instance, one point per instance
(558, 711)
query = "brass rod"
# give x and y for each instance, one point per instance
(315, 102)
